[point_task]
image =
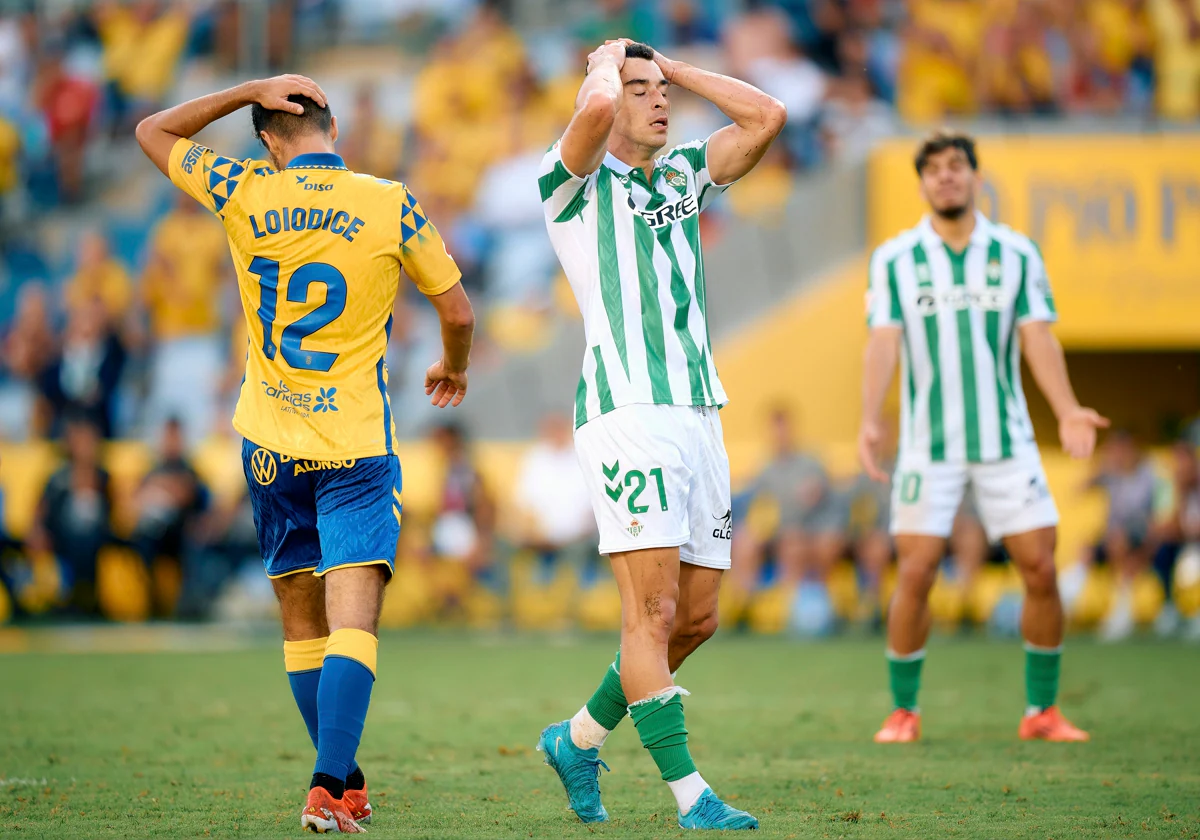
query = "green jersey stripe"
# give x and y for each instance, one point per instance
(652, 321)
(995, 276)
(581, 402)
(683, 310)
(1022, 305)
(898, 315)
(895, 312)
(691, 229)
(553, 179)
(704, 374)
(937, 438)
(574, 207)
(966, 355)
(605, 392)
(1009, 346)
(610, 271)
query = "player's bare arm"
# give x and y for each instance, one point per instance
(879, 363)
(446, 379)
(586, 138)
(1077, 425)
(757, 117)
(158, 133)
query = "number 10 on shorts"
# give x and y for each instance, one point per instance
(635, 482)
(910, 487)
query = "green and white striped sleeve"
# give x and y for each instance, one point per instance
(883, 297)
(1035, 301)
(696, 156)
(564, 194)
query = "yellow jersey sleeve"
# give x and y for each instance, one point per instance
(206, 176)
(423, 253)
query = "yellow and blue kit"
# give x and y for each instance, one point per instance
(318, 251)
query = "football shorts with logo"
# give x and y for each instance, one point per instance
(658, 477)
(1011, 496)
(314, 516)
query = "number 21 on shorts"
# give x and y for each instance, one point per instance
(910, 487)
(635, 482)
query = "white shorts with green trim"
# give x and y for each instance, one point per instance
(658, 477)
(1012, 496)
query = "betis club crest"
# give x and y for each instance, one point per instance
(676, 179)
(634, 528)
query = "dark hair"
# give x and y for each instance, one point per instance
(639, 50)
(289, 126)
(943, 139)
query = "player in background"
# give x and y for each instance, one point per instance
(957, 300)
(319, 252)
(625, 226)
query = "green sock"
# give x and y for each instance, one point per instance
(660, 726)
(1041, 675)
(607, 706)
(904, 673)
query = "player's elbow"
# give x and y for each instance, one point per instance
(145, 131)
(460, 319)
(774, 115)
(599, 107)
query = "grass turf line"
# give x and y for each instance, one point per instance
(198, 745)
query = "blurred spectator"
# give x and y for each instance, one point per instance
(67, 102)
(143, 42)
(29, 348)
(1015, 63)
(464, 526)
(367, 143)
(807, 539)
(99, 276)
(1178, 532)
(941, 48)
(16, 35)
(608, 19)
(551, 499)
(73, 519)
(185, 274)
(83, 379)
(854, 118)
(168, 503)
(1176, 25)
(1128, 480)
(759, 49)
(868, 515)
(224, 543)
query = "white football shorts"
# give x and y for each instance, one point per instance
(1012, 496)
(658, 477)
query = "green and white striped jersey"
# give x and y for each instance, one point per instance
(961, 359)
(630, 248)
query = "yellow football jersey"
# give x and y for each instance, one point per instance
(318, 251)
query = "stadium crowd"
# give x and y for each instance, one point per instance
(129, 329)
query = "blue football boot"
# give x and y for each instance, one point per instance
(578, 770)
(711, 813)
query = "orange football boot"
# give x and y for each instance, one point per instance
(1050, 725)
(323, 814)
(902, 726)
(358, 805)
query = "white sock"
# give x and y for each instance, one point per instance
(687, 790)
(585, 732)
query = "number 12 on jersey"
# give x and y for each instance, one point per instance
(298, 286)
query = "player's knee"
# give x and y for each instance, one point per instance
(916, 577)
(1041, 578)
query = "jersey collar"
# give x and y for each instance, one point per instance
(980, 236)
(316, 160)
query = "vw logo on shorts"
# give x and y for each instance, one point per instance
(262, 464)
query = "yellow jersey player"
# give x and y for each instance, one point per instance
(319, 251)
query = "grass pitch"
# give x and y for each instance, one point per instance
(198, 744)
